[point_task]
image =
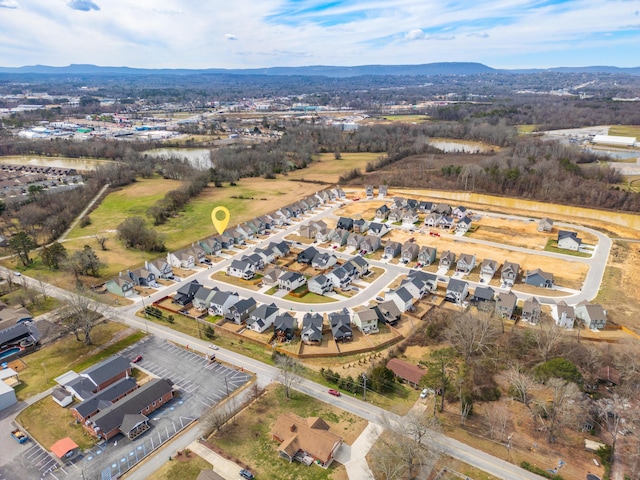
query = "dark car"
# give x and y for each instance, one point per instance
(246, 474)
(137, 359)
(335, 393)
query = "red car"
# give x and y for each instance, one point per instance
(335, 393)
(137, 359)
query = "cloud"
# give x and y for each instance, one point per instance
(478, 35)
(82, 5)
(416, 34)
(8, 4)
(230, 36)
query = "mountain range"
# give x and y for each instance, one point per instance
(441, 68)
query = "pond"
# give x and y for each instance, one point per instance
(615, 154)
(459, 146)
(81, 164)
(198, 157)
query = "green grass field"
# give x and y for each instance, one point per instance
(182, 468)
(526, 128)
(406, 118)
(625, 130)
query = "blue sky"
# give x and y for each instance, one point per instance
(264, 33)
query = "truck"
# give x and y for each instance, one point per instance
(19, 436)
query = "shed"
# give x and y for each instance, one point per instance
(64, 448)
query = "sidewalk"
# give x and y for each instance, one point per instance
(223, 467)
(354, 457)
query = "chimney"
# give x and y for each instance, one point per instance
(292, 428)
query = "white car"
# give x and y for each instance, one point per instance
(424, 393)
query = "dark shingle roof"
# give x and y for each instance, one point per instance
(107, 369)
(109, 394)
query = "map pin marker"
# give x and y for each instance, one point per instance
(220, 223)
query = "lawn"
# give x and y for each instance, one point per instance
(184, 468)
(311, 298)
(406, 118)
(66, 354)
(248, 439)
(552, 246)
(326, 168)
(625, 130)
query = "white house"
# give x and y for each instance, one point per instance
(241, 269)
(366, 319)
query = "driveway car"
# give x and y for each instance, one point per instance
(335, 393)
(137, 359)
(246, 474)
(424, 393)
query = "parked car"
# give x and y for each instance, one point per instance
(137, 359)
(212, 346)
(335, 393)
(246, 474)
(379, 299)
(424, 393)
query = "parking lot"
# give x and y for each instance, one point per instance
(200, 385)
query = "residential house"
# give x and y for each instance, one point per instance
(226, 241)
(592, 315)
(306, 439)
(211, 245)
(339, 236)
(221, 302)
(427, 255)
(345, 223)
(271, 275)
(509, 273)
(366, 319)
(412, 204)
(539, 278)
(545, 225)
(280, 249)
(457, 291)
(354, 240)
(267, 221)
(460, 212)
(198, 252)
(239, 237)
(408, 372)
(181, 259)
(184, 295)
(370, 244)
(339, 278)
(506, 304)
(308, 231)
(311, 331)
(369, 191)
(360, 265)
(447, 260)
(351, 269)
(241, 269)
(410, 217)
(143, 277)
(432, 220)
(443, 209)
(341, 326)
(382, 191)
(425, 207)
(395, 215)
(398, 202)
(268, 255)
(202, 299)
(563, 314)
(388, 312)
(340, 193)
(378, 230)
(160, 267)
(382, 213)
(240, 311)
(291, 280)
(488, 269)
(483, 294)
(254, 259)
(322, 235)
(401, 297)
(322, 261)
(569, 240)
(409, 252)
(245, 232)
(463, 225)
(285, 326)
(392, 249)
(416, 288)
(360, 225)
(445, 221)
(465, 263)
(121, 286)
(129, 415)
(428, 281)
(262, 318)
(531, 311)
(307, 255)
(320, 285)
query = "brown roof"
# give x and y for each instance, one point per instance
(406, 371)
(311, 435)
(609, 374)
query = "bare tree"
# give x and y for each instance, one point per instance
(473, 334)
(521, 384)
(548, 338)
(290, 371)
(102, 241)
(613, 414)
(555, 411)
(83, 313)
(498, 417)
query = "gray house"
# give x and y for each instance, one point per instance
(592, 315)
(509, 273)
(506, 304)
(539, 278)
(392, 249)
(457, 291)
(202, 299)
(320, 285)
(409, 252)
(311, 332)
(240, 311)
(160, 267)
(531, 311)
(143, 277)
(262, 318)
(427, 255)
(447, 260)
(341, 326)
(466, 263)
(366, 319)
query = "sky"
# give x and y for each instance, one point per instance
(267, 33)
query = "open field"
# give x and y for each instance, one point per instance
(247, 437)
(326, 168)
(181, 468)
(53, 360)
(405, 118)
(526, 128)
(625, 130)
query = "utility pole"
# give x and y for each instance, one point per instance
(364, 391)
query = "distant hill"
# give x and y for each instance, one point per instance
(442, 68)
